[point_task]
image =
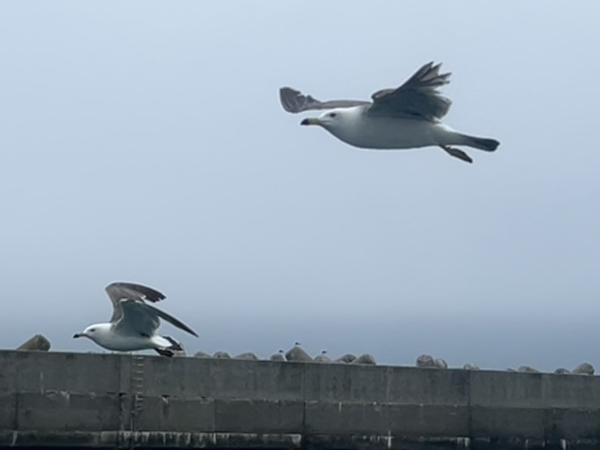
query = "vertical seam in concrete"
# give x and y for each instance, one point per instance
(213, 428)
(17, 392)
(16, 409)
(469, 406)
(119, 404)
(303, 427)
(386, 403)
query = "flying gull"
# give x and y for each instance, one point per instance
(134, 322)
(401, 118)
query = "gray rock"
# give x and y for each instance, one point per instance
(278, 356)
(426, 361)
(440, 363)
(297, 354)
(584, 369)
(470, 367)
(562, 371)
(202, 355)
(37, 342)
(365, 359)
(322, 358)
(221, 355)
(527, 369)
(247, 356)
(347, 358)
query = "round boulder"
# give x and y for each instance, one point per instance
(347, 358)
(297, 354)
(221, 355)
(278, 356)
(527, 369)
(584, 369)
(249, 356)
(441, 363)
(365, 359)
(426, 362)
(322, 358)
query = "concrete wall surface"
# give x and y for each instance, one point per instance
(108, 401)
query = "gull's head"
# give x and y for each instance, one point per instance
(93, 332)
(329, 120)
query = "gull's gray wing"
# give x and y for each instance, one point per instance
(417, 97)
(143, 319)
(136, 319)
(294, 101)
(119, 291)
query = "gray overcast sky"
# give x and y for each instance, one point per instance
(144, 141)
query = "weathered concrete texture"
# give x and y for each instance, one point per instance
(107, 401)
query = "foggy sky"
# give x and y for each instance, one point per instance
(143, 141)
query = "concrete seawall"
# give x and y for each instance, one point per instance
(108, 401)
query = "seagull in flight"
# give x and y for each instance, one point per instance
(135, 322)
(401, 118)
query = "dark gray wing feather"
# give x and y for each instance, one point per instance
(417, 97)
(169, 318)
(144, 319)
(136, 318)
(118, 291)
(294, 101)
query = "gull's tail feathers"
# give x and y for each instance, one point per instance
(170, 348)
(486, 144)
(164, 352)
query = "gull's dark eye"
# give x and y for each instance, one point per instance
(92, 330)
(332, 115)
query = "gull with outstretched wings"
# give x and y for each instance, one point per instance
(135, 322)
(406, 117)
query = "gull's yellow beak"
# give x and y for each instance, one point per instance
(311, 121)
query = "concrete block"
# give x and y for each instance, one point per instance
(346, 417)
(571, 391)
(344, 382)
(62, 411)
(506, 389)
(75, 373)
(176, 377)
(259, 416)
(8, 372)
(429, 420)
(255, 379)
(412, 386)
(176, 414)
(8, 411)
(572, 423)
(502, 422)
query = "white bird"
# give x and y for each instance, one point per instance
(401, 118)
(134, 322)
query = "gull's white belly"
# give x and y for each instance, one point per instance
(389, 133)
(124, 343)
